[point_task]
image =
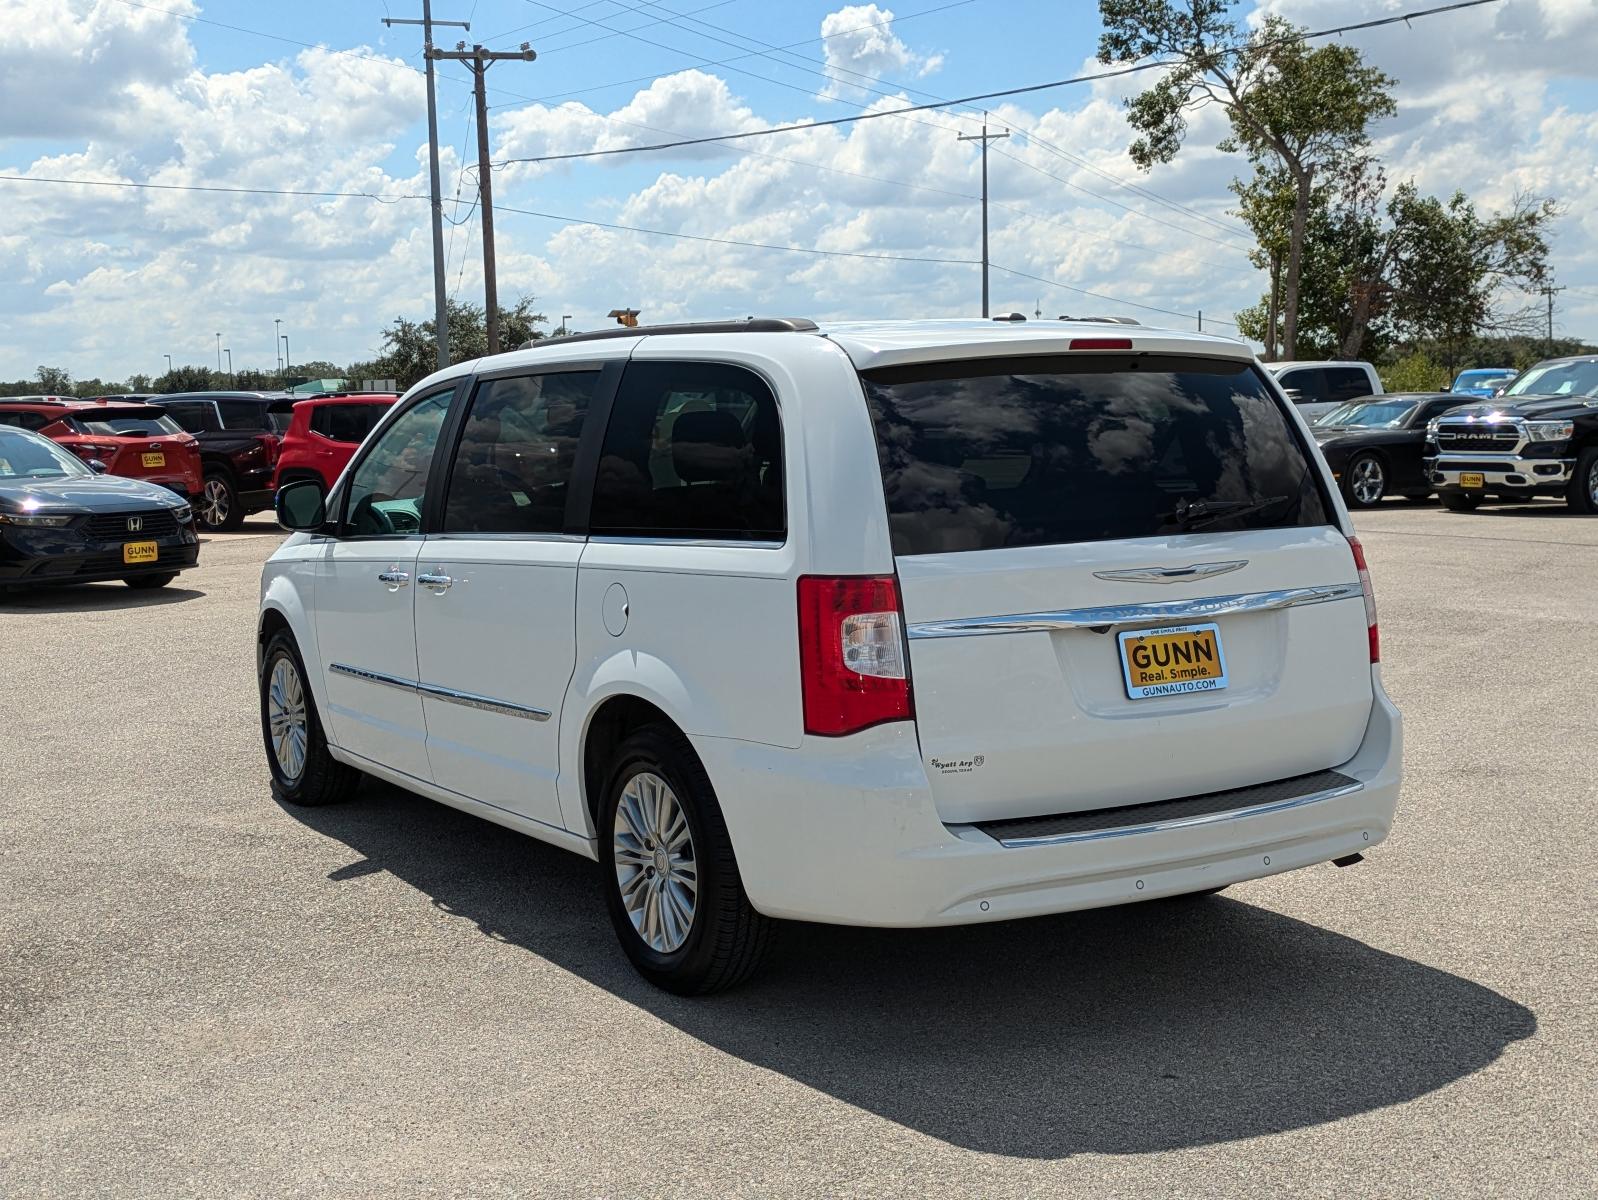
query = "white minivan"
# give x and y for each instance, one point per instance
(894, 624)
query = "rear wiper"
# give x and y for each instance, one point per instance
(1195, 514)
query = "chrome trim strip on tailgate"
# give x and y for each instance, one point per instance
(1236, 814)
(1133, 614)
(466, 699)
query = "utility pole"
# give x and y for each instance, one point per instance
(1548, 290)
(440, 307)
(984, 137)
(479, 59)
(1201, 320)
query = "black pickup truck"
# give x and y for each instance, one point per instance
(239, 435)
(1538, 438)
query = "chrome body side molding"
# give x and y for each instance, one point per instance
(466, 699)
(1133, 614)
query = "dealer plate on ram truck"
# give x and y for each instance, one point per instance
(1172, 660)
(1472, 479)
(140, 552)
(154, 458)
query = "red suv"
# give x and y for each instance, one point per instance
(325, 431)
(136, 440)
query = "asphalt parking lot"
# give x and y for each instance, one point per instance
(202, 993)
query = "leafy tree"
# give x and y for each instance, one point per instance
(1298, 112)
(1417, 372)
(255, 381)
(138, 383)
(186, 379)
(54, 381)
(318, 369)
(410, 351)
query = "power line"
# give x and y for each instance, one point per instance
(1114, 73)
(380, 197)
(1170, 312)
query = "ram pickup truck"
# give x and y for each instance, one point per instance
(1538, 439)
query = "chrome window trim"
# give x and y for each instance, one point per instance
(1236, 814)
(720, 543)
(1133, 614)
(465, 699)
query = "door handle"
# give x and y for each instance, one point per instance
(437, 584)
(394, 579)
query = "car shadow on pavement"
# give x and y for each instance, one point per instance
(93, 597)
(1132, 1030)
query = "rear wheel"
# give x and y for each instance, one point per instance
(219, 510)
(1365, 481)
(671, 881)
(303, 772)
(1460, 501)
(1583, 494)
(146, 582)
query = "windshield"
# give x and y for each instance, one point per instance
(27, 456)
(1557, 379)
(990, 453)
(1482, 379)
(126, 424)
(1386, 413)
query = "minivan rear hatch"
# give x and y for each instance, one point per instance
(1122, 577)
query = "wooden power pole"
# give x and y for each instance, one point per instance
(984, 137)
(479, 59)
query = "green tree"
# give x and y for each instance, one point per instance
(185, 379)
(138, 383)
(410, 351)
(1298, 112)
(54, 381)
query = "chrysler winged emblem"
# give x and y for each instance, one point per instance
(1172, 574)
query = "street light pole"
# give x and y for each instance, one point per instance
(288, 363)
(277, 345)
(168, 358)
(219, 354)
(228, 350)
(565, 323)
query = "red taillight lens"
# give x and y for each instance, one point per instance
(88, 450)
(1370, 598)
(1101, 343)
(853, 665)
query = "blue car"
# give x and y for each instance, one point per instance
(1483, 381)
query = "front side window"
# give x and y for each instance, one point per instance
(23, 420)
(987, 454)
(386, 490)
(693, 450)
(513, 466)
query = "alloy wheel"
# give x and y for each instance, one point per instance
(1369, 482)
(1592, 484)
(214, 506)
(286, 718)
(655, 863)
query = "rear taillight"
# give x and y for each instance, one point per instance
(268, 447)
(88, 450)
(853, 665)
(1101, 344)
(1370, 598)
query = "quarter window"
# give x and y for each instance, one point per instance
(513, 466)
(243, 415)
(693, 450)
(1347, 383)
(1310, 385)
(346, 422)
(387, 488)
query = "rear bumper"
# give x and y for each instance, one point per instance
(846, 832)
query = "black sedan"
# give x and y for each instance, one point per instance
(1375, 445)
(63, 522)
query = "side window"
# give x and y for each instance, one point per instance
(692, 450)
(352, 422)
(243, 414)
(1309, 383)
(1347, 383)
(195, 418)
(322, 421)
(385, 493)
(25, 420)
(513, 467)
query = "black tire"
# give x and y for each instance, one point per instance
(1460, 501)
(147, 582)
(1365, 476)
(727, 940)
(219, 510)
(1583, 494)
(322, 779)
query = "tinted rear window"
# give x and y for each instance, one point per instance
(113, 424)
(1025, 452)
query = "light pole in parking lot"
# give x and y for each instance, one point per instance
(277, 345)
(286, 363)
(168, 358)
(219, 354)
(228, 350)
(565, 323)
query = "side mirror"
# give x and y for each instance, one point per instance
(301, 505)
(98, 467)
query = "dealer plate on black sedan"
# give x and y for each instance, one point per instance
(1172, 660)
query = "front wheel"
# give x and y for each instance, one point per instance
(1460, 501)
(219, 510)
(671, 881)
(144, 582)
(1365, 482)
(1583, 494)
(303, 772)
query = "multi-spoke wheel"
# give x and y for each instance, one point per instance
(672, 886)
(219, 509)
(1365, 481)
(303, 772)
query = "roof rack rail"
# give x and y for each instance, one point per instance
(1101, 320)
(751, 325)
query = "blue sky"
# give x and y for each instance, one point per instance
(105, 282)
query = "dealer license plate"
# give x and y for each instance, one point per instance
(140, 552)
(1472, 479)
(154, 458)
(1172, 660)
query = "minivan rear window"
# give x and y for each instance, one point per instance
(991, 453)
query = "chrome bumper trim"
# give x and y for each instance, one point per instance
(1500, 464)
(1133, 614)
(1238, 814)
(451, 695)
